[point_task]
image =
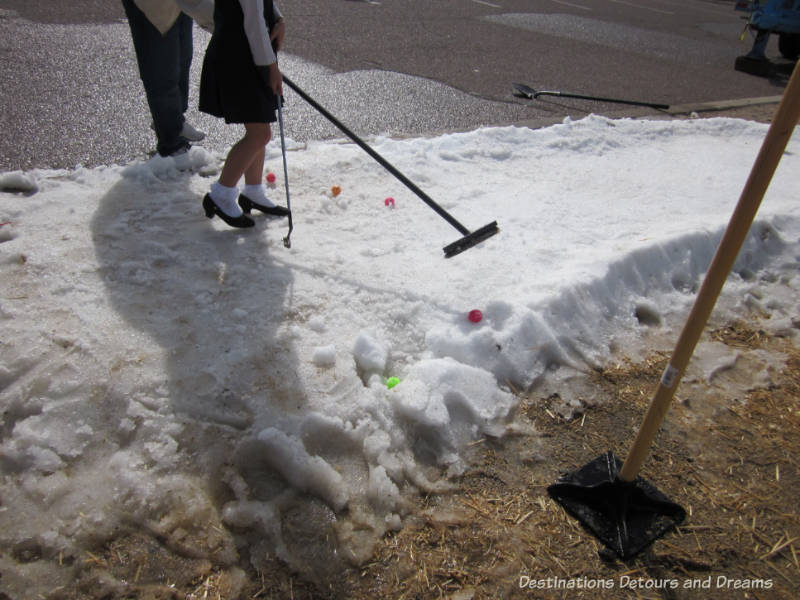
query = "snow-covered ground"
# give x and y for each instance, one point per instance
(161, 370)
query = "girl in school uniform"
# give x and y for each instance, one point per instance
(241, 83)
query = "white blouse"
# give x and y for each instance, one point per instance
(255, 28)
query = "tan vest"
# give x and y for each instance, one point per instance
(163, 13)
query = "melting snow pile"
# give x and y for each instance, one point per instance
(164, 371)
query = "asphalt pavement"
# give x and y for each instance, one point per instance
(70, 92)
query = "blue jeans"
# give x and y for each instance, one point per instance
(164, 62)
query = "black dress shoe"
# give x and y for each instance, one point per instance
(212, 209)
(248, 205)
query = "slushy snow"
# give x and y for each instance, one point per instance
(161, 370)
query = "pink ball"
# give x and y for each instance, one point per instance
(475, 316)
(271, 177)
(389, 201)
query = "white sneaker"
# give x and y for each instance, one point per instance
(187, 132)
(192, 134)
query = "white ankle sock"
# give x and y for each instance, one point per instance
(225, 197)
(257, 192)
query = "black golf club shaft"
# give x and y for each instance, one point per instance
(532, 94)
(287, 240)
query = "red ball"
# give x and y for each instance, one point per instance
(271, 178)
(389, 201)
(475, 316)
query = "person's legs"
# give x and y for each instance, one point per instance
(161, 66)
(186, 51)
(246, 157)
(254, 174)
(254, 194)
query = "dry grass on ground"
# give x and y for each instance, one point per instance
(735, 473)
(731, 463)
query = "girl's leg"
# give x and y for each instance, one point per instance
(240, 157)
(246, 158)
(255, 172)
(255, 193)
(246, 155)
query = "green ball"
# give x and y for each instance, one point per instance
(391, 382)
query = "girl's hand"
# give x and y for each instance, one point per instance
(277, 34)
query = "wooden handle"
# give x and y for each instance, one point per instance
(769, 156)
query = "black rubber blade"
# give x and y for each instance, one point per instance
(471, 239)
(626, 516)
(524, 91)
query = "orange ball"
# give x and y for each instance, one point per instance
(336, 190)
